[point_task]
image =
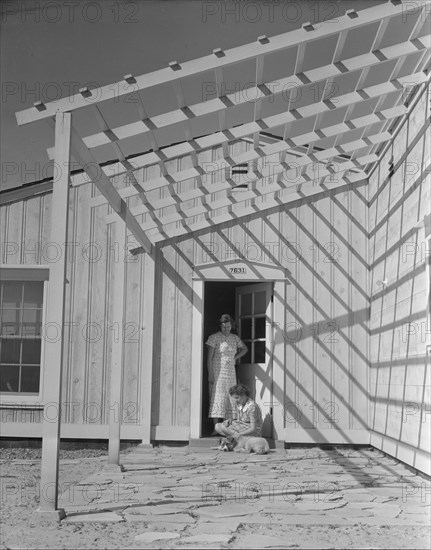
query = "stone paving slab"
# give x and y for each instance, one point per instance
(193, 498)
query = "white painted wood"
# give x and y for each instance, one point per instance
(148, 347)
(75, 431)
(333, 437)
(239, 271)
(279, 358)
(257, 376)
(117, 353)
(197, 360)
(235, 55)
(280, 147)
(104, 184)
(276, 119)
(171, 433)
(53, 356)
(26, 272)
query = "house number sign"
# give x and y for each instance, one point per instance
(238, 270)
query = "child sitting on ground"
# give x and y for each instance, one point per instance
(247, 419)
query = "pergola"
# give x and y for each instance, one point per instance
(330, 95)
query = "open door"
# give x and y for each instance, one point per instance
(254, 314)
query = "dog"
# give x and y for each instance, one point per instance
(252, 444)
(245, 444)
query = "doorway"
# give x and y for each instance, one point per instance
(250, 304)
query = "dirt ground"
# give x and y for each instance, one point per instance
(20, 471)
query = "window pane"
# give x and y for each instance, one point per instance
(245, 328)
(10, 350)
(9, 378)
(30, 379)
(12, 294)
(31, 352)
(259, 352)
(10, 319)
(245, 304)
(31, 322)
(260, 302)
(33, 294)
(259, 327)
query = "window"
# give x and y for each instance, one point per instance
(21, 306)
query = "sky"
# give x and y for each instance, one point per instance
(51, 48)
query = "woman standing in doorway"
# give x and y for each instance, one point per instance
(224, 348)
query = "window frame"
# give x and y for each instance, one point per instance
(30, 274)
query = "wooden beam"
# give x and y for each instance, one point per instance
(103, 183)
(203, 64)
(115, 170)
(264, 168)
(324, 77)
(53, 356)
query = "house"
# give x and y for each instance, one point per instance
(301, 207)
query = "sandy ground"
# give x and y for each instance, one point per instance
(22, 529)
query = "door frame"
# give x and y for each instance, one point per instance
(232, 271)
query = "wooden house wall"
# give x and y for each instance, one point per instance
(399, 249)
(326, 243)
(323, 244)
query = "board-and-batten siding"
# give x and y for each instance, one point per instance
(89, 326)
(323, 244)
(399, 249)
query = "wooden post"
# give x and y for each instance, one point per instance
(197, 361)
(53, 360)
(116, 384)
(278, 350)
(147, 355)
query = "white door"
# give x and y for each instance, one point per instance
(254, 314)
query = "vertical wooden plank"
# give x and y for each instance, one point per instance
(80, 293)
(167, 338)
(323, 266)
(359, 304)
(55, 313)
(305, 347)
(196, 379)
(279, 362)
(12, 246)
(94, 251)
(31, 246)
(132, 334)
(116, 386)
(292, 331)
(183, 326)
(341, 330)
(147, 367)
(4, 213)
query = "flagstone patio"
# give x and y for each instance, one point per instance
(192, 497)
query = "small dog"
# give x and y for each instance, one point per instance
(245, 444)
(227, 444)
(250, 444)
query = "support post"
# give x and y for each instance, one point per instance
(279, 361)
(116, 384)
(197, 361)
(148, 346)
(53, 360)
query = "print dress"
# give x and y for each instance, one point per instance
(224, 373)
